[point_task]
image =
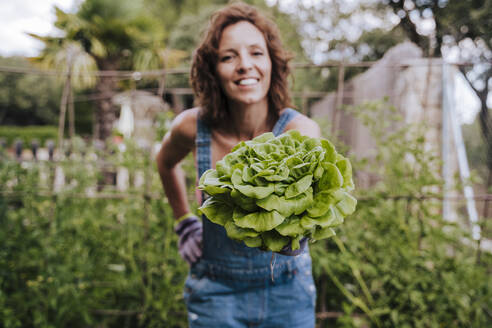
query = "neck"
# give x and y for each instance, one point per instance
(249, 121)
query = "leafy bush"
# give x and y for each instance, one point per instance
(28, 134)
(28, 99)
(79, 257)
(397, 263)
(69, 259)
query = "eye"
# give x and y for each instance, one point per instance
(225, 58)
(257, 53)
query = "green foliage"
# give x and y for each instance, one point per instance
(74, 260)
(79, 257)
(194, 16)
(476, 149)
(27, 134)
(461, 27)
(189, 29)
(342, 30)
(34, 99)
(105, 35)
(108, 29)
(27, 99)
(163, 124)
(450, 22)
(396, 262)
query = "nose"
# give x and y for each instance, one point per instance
(245, 63)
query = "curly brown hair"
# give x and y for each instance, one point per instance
(204, 80)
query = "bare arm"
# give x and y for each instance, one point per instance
(177, 143)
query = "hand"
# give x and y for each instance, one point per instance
(289, 252)
(189, 231)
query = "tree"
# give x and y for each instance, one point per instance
(194, 16)
(337, 30)
(342, 30)
(27, 99)
(104, 35)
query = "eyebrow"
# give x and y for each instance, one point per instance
(254, 45)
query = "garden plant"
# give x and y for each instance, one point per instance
(85, 255)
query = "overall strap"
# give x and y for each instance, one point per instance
(283, 120)
(203, 153)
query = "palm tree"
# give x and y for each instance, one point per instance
(103, 35)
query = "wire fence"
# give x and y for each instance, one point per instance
(186, 91)
(341, 93)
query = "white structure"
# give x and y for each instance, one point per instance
(138, 114)
(422, 89)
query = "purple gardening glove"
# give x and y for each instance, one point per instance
(189, 231)
(289, 252)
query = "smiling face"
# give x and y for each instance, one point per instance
(244, 67)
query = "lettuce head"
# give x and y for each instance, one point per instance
(270, 192)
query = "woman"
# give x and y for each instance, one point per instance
(239, 76)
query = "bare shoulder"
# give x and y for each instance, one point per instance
(305, 126)
(183, 128)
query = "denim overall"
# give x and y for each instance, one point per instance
(233, 285)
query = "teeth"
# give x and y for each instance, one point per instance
(248, 81)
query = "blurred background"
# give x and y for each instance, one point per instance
(88, 88)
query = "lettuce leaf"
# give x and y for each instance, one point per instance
(259, 221)
(216, 210)
(287, 207)
(298, 187)
(238, 233)
(274, 241)
(290, 227)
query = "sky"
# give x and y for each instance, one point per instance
(37, 16)
(21, 16)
